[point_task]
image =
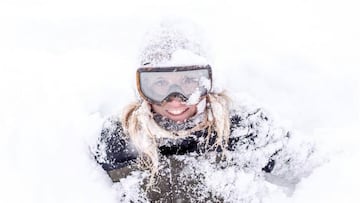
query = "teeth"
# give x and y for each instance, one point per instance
(177, 112)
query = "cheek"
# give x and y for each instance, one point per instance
(159, 109)
(193, 110)
(156, 109)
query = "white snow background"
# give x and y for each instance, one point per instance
(66, 65)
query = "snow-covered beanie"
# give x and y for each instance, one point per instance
(174, 43)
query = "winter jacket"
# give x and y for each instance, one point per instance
(190, 171)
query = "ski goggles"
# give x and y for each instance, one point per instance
(189, 83)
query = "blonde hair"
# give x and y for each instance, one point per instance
(143, 131)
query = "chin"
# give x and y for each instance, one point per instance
(178, 119)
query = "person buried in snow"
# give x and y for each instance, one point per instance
(180, 130)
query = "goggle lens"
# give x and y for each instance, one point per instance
(157, 84)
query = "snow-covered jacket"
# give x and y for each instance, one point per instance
(258, 152)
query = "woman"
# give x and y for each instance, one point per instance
(180, 133)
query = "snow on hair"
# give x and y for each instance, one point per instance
(143, 131)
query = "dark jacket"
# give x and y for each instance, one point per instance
(255, 146)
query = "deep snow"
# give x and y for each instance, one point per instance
(65, 66)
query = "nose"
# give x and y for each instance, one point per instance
(175, 98)
(174, 102)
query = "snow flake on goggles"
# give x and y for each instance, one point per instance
(189, 83)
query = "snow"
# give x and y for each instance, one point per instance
(66, 66)
(184, 58)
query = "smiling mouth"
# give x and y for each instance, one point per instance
(177, 112)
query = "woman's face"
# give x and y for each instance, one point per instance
(175, 109)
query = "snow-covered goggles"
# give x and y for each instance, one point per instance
(189, 83)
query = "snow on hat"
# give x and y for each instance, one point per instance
(173, 44)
